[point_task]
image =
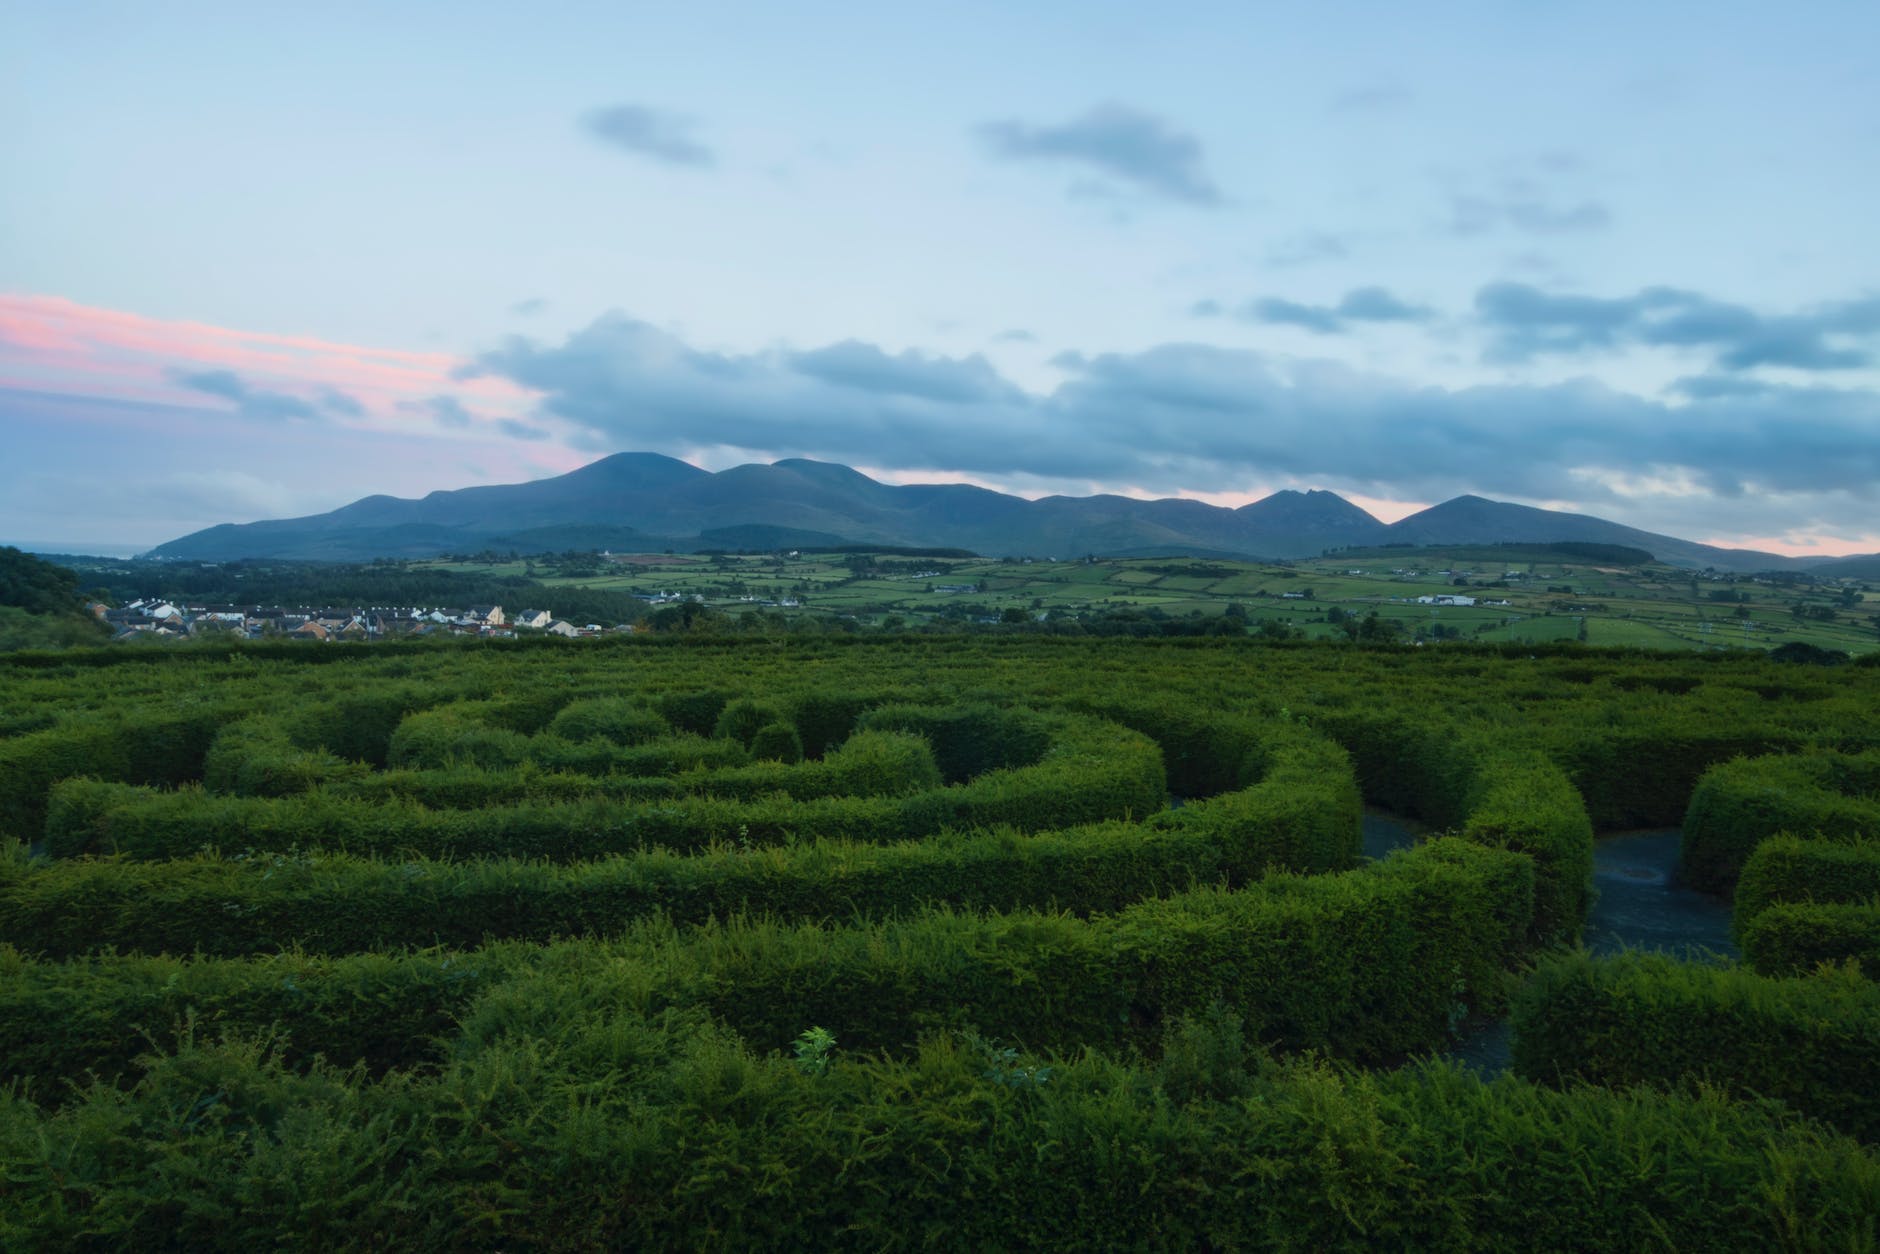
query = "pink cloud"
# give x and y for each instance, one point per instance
(53, 344)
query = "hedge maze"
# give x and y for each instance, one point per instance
(916, 942)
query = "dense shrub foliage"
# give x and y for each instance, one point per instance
(896, 942)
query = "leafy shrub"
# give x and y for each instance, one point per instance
(1643, 1018)
(1739, 804)
(616, 720)
(777, 742)
(1793, 938)
(1789, 869)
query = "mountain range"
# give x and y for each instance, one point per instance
(645, 501)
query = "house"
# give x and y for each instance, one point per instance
(560, 627)
(309, 630)
(532, 618)
(487, 615)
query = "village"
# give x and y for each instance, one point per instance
(154, 618)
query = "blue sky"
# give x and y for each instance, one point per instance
(259, 261)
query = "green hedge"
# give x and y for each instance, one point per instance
(145, 747)
(67, 1021)
(1643, 1018)
(1793, 938)
(642, 1132)
(1518, 800)
(1372, 964)
(1092, 772)
(1644, 775)
(1301, 814)
(1789, 869)
(1739, 804)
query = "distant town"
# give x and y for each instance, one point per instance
(160, 619)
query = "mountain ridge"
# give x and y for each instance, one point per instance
(649, 500)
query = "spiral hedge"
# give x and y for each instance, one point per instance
(520, 946)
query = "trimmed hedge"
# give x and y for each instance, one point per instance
(631, 1131)
(1093, 771)
(1737, 805)
(1793, 938)
(1789, 869)
(1521, 801)
(1645, 1019)
(1301, 815)
(1644, 776)
(145, 748)
(1372, 964)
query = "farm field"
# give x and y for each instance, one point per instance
(910, 940)
(1520, 595)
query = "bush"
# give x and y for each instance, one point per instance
(777, 742)
(743, 719)
(1788, 869)
(1793, 938)
(1739, 804)
(1645, 1019)
(616, 720)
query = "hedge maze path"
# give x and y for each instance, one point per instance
(385, 889)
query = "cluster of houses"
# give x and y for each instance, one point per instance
(152, 617)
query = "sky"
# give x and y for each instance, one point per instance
(262, 260)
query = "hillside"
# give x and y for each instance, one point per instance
(649, 503)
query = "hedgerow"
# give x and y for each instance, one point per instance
(1739, 804)
(1813, 1043)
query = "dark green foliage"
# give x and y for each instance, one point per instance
(1813, 1043)
(974, 860)
(695, 712)
(778, 742)
(617, 720)
(1789, 869)
(149, 747)
(463, 734)
(256, 758)
(741, 720)
(1739, 804)
(968, 740)
(36, 585)
(685, 1136)
(1793, 938)
(1523, 802)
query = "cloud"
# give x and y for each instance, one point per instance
(529, 308)
(447, 410)
(1199, 418)
(1526, 322)
(1209, 308)
(521, 430)
(255, 403)
(1315, 318)
(665, 137)
(1305, 249)
(1116, 141)
(1478, 215)
(1360, 304)
(1015, 335)
(1374, 98)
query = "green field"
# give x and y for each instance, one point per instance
(1646, 606)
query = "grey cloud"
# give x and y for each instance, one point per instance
(1117, 141)
(267, 406)
(1526, 322)
(1016, 335)
(521, 430)
(449, 412)
(529, 308)
(854, 364)
(1193, 417)
(1209, 308)
(1315, 318)
(1360, 304)
(665, 137)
